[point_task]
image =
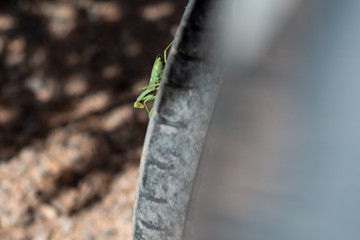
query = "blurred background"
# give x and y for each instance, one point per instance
(70, 141)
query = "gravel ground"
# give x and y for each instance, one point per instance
(70, 141)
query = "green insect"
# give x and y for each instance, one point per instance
(149, 91)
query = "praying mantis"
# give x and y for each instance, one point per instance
(149, 90)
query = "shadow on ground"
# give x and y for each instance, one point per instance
(69, 73)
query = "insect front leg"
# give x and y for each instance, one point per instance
(143, 95)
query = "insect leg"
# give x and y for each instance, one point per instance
(166, 50)
(147, 110)
(149, 86)
(149, 98)
(144, 87)
(143, 95)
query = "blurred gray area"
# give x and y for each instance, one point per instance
(282, 158)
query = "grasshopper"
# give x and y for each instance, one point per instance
(149, 91)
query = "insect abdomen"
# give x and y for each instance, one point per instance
(158, 69)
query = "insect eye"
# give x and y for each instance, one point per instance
(138, 105)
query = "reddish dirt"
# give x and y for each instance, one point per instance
(70, 141)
